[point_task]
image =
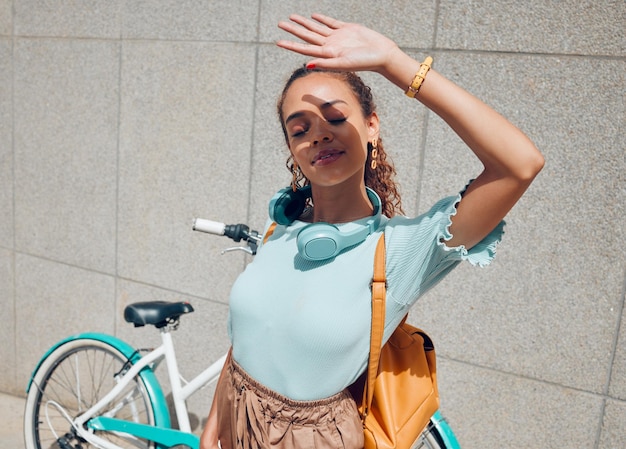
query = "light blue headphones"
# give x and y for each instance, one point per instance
(321, 241)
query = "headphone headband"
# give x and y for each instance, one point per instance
(321, 241)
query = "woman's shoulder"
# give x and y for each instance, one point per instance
(441, 210)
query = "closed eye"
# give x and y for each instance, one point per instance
(298, 132)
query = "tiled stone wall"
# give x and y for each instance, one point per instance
(120, 121)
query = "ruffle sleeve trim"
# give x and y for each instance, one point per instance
(480, 254)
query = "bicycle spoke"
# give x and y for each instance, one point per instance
(76, 376)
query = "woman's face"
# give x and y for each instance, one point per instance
(327, 133)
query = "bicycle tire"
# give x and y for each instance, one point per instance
(429, 439)
(437, 435)
(73, 377)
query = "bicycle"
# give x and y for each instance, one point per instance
(94, 390)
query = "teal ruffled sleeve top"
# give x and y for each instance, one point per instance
(302, 328)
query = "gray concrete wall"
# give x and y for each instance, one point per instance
(120, 121)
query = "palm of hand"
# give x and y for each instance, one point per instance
(337, 45)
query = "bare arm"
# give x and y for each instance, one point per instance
(510, 159)
(209, 437)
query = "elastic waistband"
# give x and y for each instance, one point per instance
(241, 379)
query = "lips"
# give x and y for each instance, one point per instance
(326, 156)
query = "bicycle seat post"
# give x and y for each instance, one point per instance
(173, 372)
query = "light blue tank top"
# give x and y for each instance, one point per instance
(302, 328)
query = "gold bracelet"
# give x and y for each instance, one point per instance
(414, 88)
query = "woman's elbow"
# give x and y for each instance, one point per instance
(532, 164)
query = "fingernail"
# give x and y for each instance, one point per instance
(310, 66)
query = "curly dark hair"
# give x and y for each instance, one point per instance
(381, 179)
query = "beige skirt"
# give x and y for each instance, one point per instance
(251, 416)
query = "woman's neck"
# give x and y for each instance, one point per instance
(339, 205)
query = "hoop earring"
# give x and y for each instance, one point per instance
(373, 163)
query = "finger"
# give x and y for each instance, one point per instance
(310, 25)
(334, 64)
(328, 21)
(302, 33)
(304, 49)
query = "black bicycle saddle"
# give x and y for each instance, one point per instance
(157, 313)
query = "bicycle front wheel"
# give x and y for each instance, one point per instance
(429, 439)
(437, 435)
(70, 380)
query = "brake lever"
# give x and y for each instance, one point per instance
(245, 249)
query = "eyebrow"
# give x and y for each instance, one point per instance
(325, 105)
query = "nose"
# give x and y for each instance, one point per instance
(321, 134)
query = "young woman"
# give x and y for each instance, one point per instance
(300, 313)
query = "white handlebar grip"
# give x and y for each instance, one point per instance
(211, 227)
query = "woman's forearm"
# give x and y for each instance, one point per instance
(502, 148)
(209, 437)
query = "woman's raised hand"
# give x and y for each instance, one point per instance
(337, 45)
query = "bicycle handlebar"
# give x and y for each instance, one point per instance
(208, 226)
(236, 232)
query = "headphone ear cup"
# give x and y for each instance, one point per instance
(287, 205)
(319, 241)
